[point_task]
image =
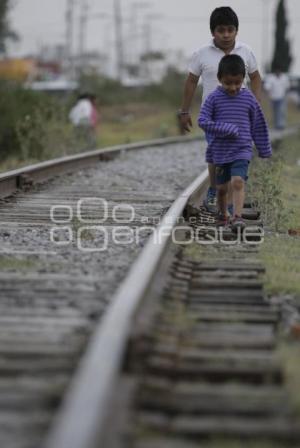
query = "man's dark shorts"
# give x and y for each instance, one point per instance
(236, 168)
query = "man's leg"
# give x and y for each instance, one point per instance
(210, 202)
(212, 175)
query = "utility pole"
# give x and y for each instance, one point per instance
(147, 32)
(134, 33)
(82, 32)
(119, 40)
(69, 36)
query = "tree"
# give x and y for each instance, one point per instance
(5, 31)
(282, 57)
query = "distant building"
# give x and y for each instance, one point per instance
(18, 69)
(29, 69)
(35, 74)
(91, 63)
(151, 69)
(60, 85)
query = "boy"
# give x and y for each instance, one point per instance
(233, 117)
(224, 27)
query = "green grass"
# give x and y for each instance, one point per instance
(281, 256)
(136, 122)
(281, 252)
(289, 352)
(290, 151)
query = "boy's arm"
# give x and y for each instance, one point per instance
(260, 133)
(218, 128)
(188, 94)
(256, 84)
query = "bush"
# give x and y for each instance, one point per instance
(15, 103)
(45, 133)
(266, 187)
(33, 125)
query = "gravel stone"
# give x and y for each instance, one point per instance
(148, 179)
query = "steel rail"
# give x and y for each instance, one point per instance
(84, 409)
(13, 180)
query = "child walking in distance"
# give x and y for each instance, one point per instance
(224, 27)
(277, 85)
(234, 119)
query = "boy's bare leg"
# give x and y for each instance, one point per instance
(212, 183)
(229, 197)
(222, 198)
(238, 194)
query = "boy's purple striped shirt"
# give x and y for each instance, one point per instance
(233, 123)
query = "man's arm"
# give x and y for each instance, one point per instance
(255, 84)
(188, 94)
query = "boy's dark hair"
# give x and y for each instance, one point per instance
(223, 16)
(231, 64)
(86, 96)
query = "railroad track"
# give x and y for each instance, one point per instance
(51, 292)
(164, 351)
(195, 355)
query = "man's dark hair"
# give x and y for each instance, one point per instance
(231, 64)
(223, 16)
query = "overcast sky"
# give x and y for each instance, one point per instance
(175, 24)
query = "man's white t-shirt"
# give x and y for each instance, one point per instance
(205, 62)
(277, 86)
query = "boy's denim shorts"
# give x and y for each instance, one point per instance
(236, 168)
